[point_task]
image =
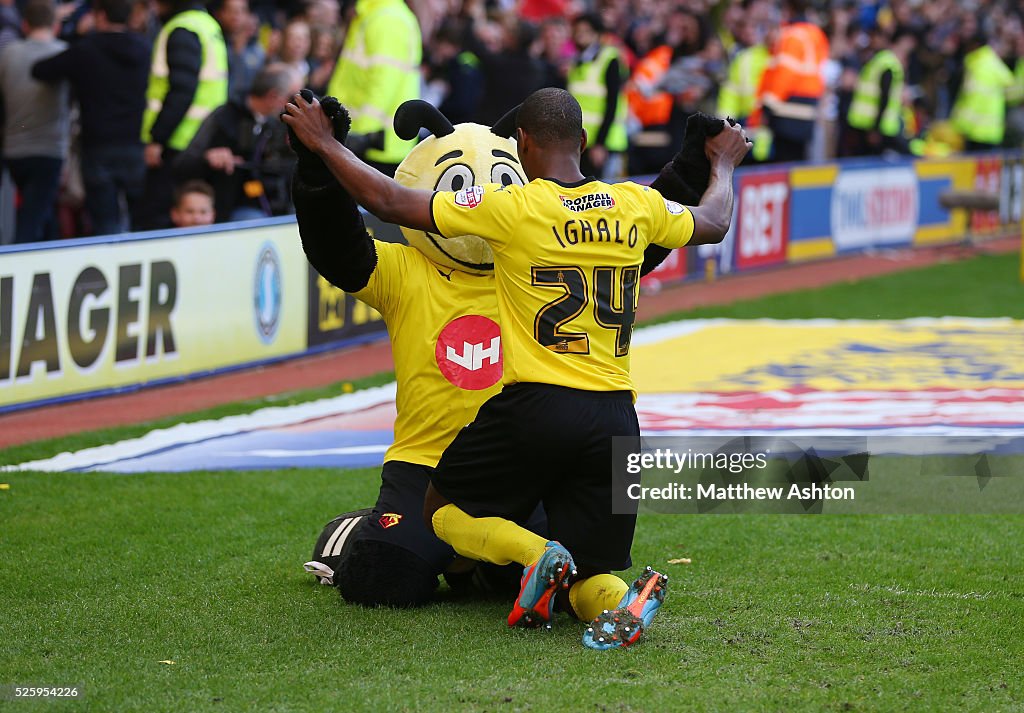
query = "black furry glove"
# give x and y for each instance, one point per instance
(311, 169)
(691, 164)
(685, 178)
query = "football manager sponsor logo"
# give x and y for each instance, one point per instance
(591, 201)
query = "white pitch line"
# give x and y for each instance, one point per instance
(204, 430)
(309, 453)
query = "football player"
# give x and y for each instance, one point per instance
(421, 291)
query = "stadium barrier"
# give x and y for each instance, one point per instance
(794, 213)
(92, 316)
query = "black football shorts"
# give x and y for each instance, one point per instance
(541, 443)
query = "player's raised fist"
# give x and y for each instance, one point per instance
(308, 123)
(728, 147)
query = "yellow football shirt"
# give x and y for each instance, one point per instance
(567, 266)
(446, 345)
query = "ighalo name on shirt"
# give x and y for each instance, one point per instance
(578, 230)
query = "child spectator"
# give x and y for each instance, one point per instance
(193, 205)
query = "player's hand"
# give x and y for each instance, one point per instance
(311, 169)
(308, 123)
(729, 147)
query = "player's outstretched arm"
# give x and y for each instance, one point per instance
(711, 218)
(380, 195)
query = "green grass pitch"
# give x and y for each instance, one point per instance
(104, 577)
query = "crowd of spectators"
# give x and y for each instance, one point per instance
(116, 116)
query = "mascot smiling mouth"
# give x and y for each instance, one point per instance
(450, 159)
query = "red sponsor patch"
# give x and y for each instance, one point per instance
(469, 197)
(468, 352)
(389, 519)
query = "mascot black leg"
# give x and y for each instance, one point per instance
(369, 571)
(382, 574)
(330, 546)
(389, 558)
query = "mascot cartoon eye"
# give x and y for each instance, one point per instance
(455, 178)
(505, 175)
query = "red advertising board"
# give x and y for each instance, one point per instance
(763, 219)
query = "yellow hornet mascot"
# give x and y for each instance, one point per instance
(438, 300)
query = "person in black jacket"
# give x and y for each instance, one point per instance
(241, 150)
(511, 73)
(186, 65)
(459, 71)
(107, 71)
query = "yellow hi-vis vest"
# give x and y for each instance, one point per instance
(586, 84)
(378, 70)
(867, 98)
(979, 113)
(212, 90)
(1016, 94)
(738, 96)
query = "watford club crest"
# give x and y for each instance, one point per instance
(389, 519)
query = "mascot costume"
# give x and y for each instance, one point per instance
(438, 300)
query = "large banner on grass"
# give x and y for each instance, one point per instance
(86, 316)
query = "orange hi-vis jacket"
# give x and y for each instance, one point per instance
(794, 72)
(650, 107)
